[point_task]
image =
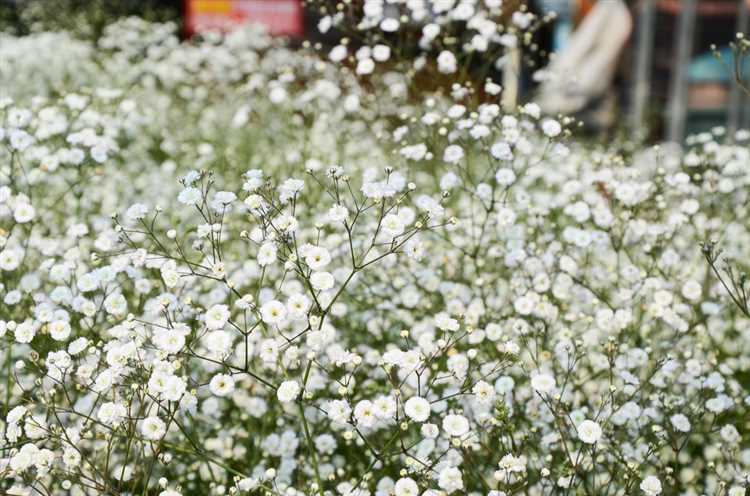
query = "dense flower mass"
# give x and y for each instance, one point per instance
(230, 267)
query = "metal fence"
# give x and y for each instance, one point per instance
(676, 116)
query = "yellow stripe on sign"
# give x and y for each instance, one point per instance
(212, 6)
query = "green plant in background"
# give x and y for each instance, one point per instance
(83, 18)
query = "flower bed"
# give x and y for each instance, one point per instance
(229, 267)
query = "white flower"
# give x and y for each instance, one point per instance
(153, 428)
(290, 189)
(543, 383)
(59, 330)
(510, 464)
(116, 304)
(453, 154)
(719, 403)
(23, 212)
(112, 414)
(447, 62)
(483, 392)
(20, 140)
(406, 487)
(365, 66)
(16, 414)
(77, 346)
(174, 388)
(651, 486)
(217, 316)
(191, 177)
(71, 458)
(277, 94)
(692, 290)
(255, 203)
(324, 25)
(25, 331)
(389, 25)
(522, 19)
(221, 385)
(385, 407)
(445, 322)
(532, 110)
(321, 281)
(373, 9)
(273, 312)
(286, 223)
(10, 259)
(392, 225)
(25, 458)
(222, 200)
(505, 176)
(551, 128)
(99, 153)
(337, 54)
(430, 31)
(288, 391)
(317, 257)
(589, 432)
(218, 342)
(381, 53)
(169, 274)
(364, 413)
(297, 305)
(253, 180)
(502, 151)
(137, 212)
(338, 411)
(189, 196)
(449, 181)
(455, 425)
(338, 213)
(417, 408)
(729, 434)
(267, 254)
(450, 480)
(430, 431)
(414, 152)
(248, 484)
(492, 88)
(680, 422)
(169, 340)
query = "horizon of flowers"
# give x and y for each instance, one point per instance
(232, 267)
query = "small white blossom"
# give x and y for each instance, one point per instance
(221, 385)
(417, 408)
(589, 432)
(288, 391)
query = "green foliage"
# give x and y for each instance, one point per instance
(84, 18)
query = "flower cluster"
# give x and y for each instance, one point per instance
(230, 267)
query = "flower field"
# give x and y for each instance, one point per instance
(231, 266)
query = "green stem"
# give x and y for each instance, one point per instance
(9, 365)
(311, 448)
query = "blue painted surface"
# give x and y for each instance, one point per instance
(705, 68)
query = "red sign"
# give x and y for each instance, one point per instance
(280, 17)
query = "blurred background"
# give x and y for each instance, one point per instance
(649, 68)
